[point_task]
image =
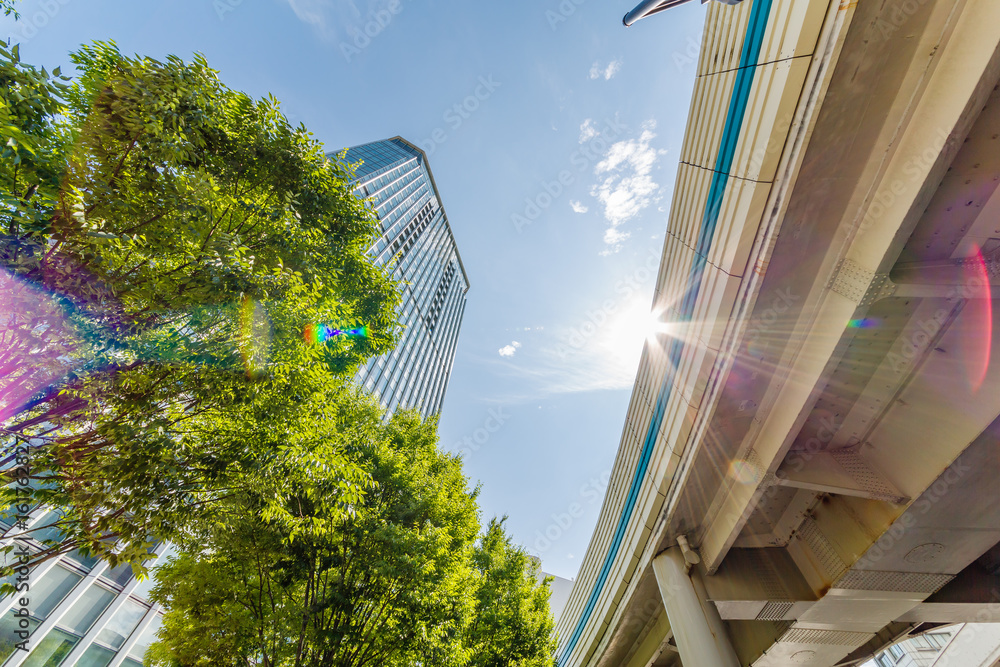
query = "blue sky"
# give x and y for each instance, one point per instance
(553, 134)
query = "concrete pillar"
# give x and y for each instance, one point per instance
(701, 637)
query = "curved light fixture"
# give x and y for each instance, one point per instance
(650, 7)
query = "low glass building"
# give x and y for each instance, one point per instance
(79, 612)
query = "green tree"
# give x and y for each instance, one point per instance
(381, 581)
(167, 240)
(8, 7)
(512, 625)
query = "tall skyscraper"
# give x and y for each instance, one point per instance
(417, 242)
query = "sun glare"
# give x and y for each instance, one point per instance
(629, 328)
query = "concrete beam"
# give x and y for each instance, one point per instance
(943, 86)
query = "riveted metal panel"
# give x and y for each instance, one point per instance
(851, 280)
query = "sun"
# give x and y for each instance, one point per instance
(629, 327)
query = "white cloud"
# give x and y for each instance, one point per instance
(509, 350)
(597, 70)
(578, 207)
(344, 18)
(627, 186)
(587, 131)
(614, 236)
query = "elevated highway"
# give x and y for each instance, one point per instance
(810, 463)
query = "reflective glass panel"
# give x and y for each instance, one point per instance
(146, 639)
(86, 610)
(48, 591)
(9, 625)
(96, 656)
(52, 650)
(122, 624)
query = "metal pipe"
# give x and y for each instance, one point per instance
(650, 7)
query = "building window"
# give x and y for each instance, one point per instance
(52, 650)
(96, 656)
(122, 624)
(50, 590)
(85, 611)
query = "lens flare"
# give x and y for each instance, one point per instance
(320, 333)
(39, 342)
(255, 337)
(744, 472)
(976, 354)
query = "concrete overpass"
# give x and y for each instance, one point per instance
(820, 423)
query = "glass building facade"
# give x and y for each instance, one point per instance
(79, 611)
(417, 243)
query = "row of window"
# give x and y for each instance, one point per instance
(928, 642)
(64, 604)
(47, 594)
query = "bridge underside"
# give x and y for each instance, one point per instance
(838, 464)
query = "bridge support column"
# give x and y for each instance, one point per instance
(698, 629)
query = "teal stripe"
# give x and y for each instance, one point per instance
(730, 135)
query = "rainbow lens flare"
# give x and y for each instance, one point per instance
(320, 333)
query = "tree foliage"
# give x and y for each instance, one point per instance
(166, 241)
(387, 583)
(401, 577)
(512, 625)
